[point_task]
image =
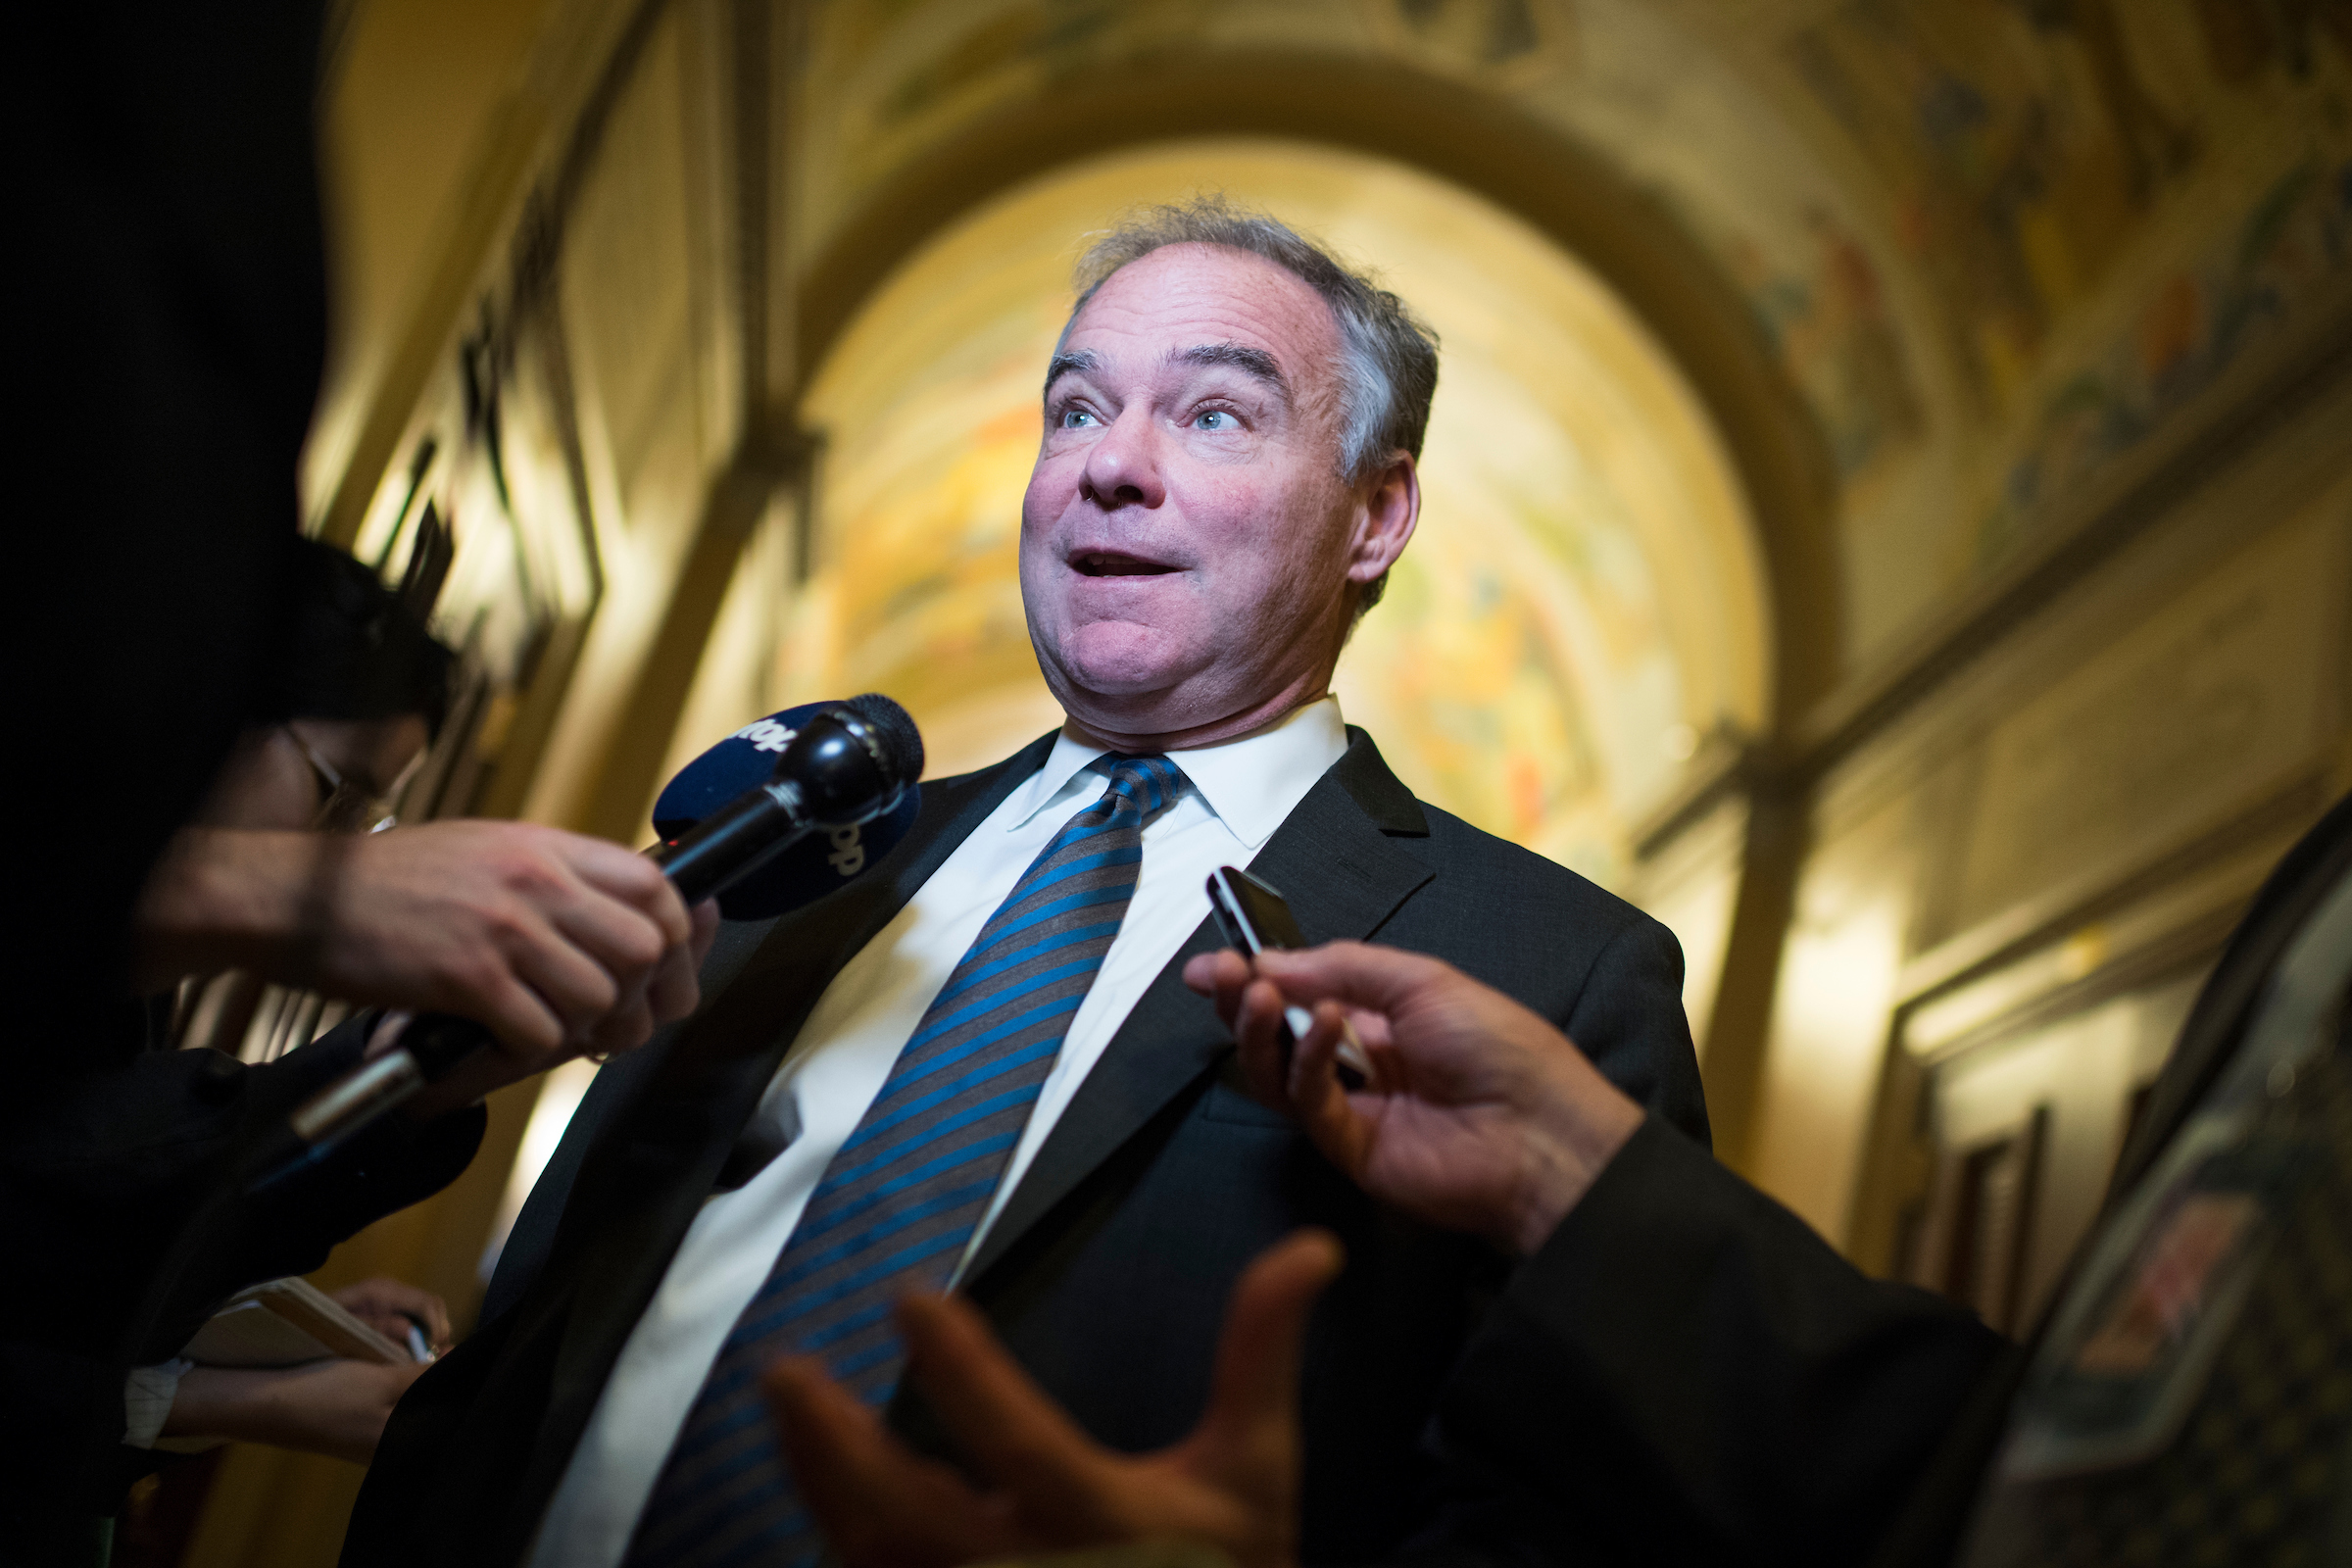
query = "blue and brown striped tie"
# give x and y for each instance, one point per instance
(899, 1203)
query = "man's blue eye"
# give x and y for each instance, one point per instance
(1215, 414)
(1070, 418)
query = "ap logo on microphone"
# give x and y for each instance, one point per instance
(767, 735)
(820, 865)
(849, 850)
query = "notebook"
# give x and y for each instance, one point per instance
(285, 1323)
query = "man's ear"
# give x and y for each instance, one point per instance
(1385, 520)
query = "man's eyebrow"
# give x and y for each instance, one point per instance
(1254, 361)
(1062, 364)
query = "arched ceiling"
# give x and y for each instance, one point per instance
(1955, 280)
(1584, 600)
(1987, 251)
(856, 220)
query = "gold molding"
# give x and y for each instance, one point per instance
(571, 66)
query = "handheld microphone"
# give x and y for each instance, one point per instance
(800, 873)
(841, 792)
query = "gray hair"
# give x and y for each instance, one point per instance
(1389, 356)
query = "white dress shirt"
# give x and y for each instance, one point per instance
(1242, 790)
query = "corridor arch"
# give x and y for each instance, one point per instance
(1588, 599)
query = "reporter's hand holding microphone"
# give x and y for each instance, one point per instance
(502, 949)
(557, 943)
(818, 777)
(292, 872)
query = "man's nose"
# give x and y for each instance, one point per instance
(1122, 469)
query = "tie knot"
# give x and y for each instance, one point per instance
(1151, 783)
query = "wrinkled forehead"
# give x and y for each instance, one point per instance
(1177, 301)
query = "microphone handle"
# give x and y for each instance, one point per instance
(730, 843)
(734, 841)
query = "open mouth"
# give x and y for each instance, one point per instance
(1114, 564)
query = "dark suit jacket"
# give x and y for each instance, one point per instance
(1686, 1373)
(1108, 1270)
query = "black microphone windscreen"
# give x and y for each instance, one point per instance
(901, 742)
(802, 872)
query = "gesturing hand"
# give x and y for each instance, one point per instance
(1481, 1118)
(1234, 1482)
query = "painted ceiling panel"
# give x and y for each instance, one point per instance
(2001, 246)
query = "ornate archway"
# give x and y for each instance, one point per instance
(1585, 600)
(1446, 128)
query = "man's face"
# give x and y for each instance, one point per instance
(1187, 537)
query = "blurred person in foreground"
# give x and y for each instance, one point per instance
(1678, 1369)
(165, 233)
(165, 188)
(982, 1063)
(294, 869)
(566, 944)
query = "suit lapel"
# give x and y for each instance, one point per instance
(1335, 862)
(649, 1172)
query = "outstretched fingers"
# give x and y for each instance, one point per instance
(839, 1453)
(1012, 1433)
(1355, 973)
(879, 1503)
(1253, 1417)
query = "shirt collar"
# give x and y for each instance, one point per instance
(1250, 782)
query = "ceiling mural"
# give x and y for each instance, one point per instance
(1582, 603)
(1977, 233)
(2109, 204)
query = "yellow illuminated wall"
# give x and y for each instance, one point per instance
(1580, 607)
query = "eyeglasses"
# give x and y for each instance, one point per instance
(347, 804)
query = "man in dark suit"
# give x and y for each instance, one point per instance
(1681, 1371)
(1227, 473)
